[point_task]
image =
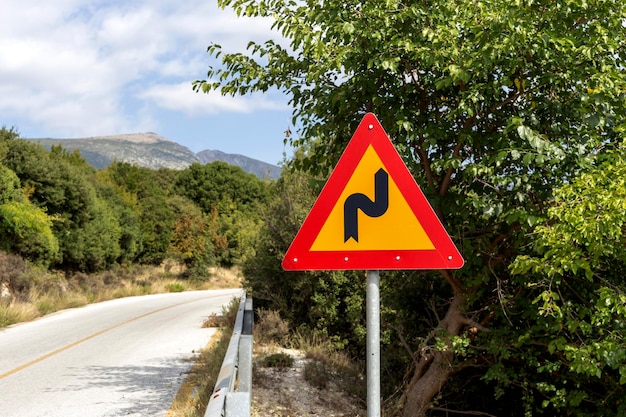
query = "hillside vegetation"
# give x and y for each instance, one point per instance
(61, 217)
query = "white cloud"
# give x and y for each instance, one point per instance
(180, 97)
(82, 67)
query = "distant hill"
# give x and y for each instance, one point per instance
(153, 151)
(258, 168)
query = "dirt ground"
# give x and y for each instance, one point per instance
(280, 392)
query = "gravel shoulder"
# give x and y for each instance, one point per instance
(284, 392)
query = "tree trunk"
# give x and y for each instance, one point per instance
(423, 388)
(433, 369)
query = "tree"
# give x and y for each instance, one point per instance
(191, 238)
(24, 228)
(491, 104)
(232, 198)
(27, 230)
(62, 185)
(144, 190)
(126, 211)
(575, 277)
(10, 189)
(91, 232)
(6, 136)
(221, 184)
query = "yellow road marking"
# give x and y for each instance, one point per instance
(78, 342)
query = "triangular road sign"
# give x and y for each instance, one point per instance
(371, 214)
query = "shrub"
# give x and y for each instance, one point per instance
(270, 327)
(175, 287)
(327, 364)
(13, 271)
(27, 230)
(279, 360)
(213, 320)
(318, 374)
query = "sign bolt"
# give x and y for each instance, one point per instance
(370, 127)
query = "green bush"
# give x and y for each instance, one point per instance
(27, 230)
(175, 287)
(279, 360)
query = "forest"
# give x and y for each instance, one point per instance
(60, 214)
(511, 115)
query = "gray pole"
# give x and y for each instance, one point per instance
(372, 312)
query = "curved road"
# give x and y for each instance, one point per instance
(125, 357)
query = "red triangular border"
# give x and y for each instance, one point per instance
(370, 132)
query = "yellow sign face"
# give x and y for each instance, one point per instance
(396, 229)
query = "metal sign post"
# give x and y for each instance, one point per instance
(372, 307)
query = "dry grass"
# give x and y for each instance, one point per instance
(224, 278)
(16, 312)
(329, 365)
(48, 292)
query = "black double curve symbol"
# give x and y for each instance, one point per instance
(359, 201)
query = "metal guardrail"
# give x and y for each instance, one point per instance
(232, 394)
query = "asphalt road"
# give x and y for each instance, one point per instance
(125, 357)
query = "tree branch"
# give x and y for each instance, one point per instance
(453, 281)
(404, 344)
(426, 163)
(446, 180)
(469, 322)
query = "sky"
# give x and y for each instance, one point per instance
(81, 68)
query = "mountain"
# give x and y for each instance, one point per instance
(153, 151)
(258, 168)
